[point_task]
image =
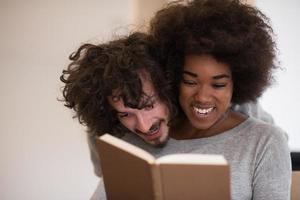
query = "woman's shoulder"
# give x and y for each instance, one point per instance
(266, 130)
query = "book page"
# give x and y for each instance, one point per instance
(129, 148)
(194, 176)
(193, 159)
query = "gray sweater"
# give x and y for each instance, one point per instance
(249, 109)
(257, 152)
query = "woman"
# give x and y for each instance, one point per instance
(219, 53)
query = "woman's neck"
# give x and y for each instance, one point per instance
(183, 129)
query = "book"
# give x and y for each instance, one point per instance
(130, 172)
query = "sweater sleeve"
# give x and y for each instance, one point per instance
(94, 154)
(272, 173)
(99, 194)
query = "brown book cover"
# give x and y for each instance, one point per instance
(129, 172)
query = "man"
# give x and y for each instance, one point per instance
(151, 121)
(118, 87)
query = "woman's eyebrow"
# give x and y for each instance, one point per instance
(221, 76)
(189, 73)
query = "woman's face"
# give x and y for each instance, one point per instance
(205, 91)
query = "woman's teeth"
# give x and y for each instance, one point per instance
(203, 111)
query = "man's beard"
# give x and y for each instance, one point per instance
(161, 144)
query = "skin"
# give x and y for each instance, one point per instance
(205, 97)
(205, 93)
(149, 123)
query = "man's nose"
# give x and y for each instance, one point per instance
(143, 123)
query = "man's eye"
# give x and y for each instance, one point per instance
(149, 107)
(123, 115)
(188, 82)
(219, 85)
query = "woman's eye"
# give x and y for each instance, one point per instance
(219, 85)
(189, 82)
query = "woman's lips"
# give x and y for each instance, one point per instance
(202, 112)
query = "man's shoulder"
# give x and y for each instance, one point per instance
(255, 110)
(263, 129)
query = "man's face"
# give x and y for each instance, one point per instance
(150, 123)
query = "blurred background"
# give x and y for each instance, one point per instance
(43, 151)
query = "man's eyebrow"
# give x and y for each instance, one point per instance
(190, 73)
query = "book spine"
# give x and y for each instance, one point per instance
(157, 182)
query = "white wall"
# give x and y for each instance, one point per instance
(43, 151)
(283, 99)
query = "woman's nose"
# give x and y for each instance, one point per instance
(203, 94)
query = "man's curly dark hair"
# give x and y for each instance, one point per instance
(96, 71)
(232, 32)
